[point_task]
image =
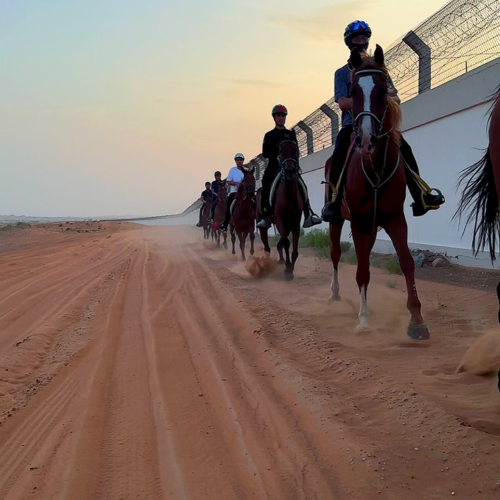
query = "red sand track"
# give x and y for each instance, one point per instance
(135, 362)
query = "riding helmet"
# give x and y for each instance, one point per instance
(279, 108)
(354, 29)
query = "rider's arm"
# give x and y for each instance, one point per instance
(230, 180)
(342, 93)
(345, 103)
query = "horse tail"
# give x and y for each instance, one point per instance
(480, 199)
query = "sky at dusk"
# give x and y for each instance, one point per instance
(117, 107)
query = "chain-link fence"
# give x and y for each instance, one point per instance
(461, 36)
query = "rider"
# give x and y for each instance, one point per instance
(206, 196)
(234, 178)
(357, 35)
(270, 150)
(215, 191)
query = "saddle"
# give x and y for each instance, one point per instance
(274, 186)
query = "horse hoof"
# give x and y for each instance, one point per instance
(418, 332)
(288, 276)
(363, 327)
(335, 298)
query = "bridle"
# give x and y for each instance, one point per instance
(380, 122)
(288, 173)
(380, 181)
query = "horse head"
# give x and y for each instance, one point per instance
(222, 194)
(248, 182)
(375, 115)
(289, 159)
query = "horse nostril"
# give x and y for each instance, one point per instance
(373, 139)
(357, 140)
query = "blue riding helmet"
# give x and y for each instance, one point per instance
(354, 29)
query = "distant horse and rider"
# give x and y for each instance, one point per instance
(242, 222)
(287, 206)
(219, 213)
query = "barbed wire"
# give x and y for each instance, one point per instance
(462, 35)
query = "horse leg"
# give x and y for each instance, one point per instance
(224, 237)
(498, 296)
(295, 248)
(288, 272)
(242, 236)
(252, 240)
(233, 238)
(363, 244)
(335, 253)
(397, 230)
(264, 237)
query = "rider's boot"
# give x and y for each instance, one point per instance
(423, 200)
(310, 218)
(427, 201)
(264, 223)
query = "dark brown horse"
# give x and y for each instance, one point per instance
(375, 185)
(480, 198)
(205, 215)
(219, 214)
(243, 219)
(288, 205)
(481, 193)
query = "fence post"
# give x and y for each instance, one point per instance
(309, 135)
(334, 118)
(424, 60)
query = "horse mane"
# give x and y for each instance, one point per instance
(496, 99)
(393, 116)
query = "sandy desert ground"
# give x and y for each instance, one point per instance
(141, 363)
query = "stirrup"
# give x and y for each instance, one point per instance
(264, 224)
(433, 200)
(311, 221)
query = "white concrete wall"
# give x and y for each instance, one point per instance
(446, 128)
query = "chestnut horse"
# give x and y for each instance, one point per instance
(481, 193)
(288, 205)
(243, 219)
(375, 187)
(219, 214)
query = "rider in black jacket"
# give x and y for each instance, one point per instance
(270, 150)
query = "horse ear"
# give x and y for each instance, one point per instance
(248, 170)
(379, 55)
(356, 58)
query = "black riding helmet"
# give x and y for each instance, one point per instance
(354, 29)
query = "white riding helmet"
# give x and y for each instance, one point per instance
(239, 155)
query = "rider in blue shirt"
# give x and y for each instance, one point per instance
(357, 35)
